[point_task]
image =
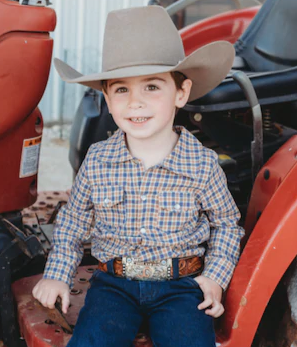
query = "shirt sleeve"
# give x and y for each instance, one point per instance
(72, 227)
(223, 246)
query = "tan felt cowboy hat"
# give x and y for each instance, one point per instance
(143, 41)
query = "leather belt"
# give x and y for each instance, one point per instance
(165, 269)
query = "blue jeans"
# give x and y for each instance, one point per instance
(115, 308)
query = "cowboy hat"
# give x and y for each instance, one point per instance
(144, 41)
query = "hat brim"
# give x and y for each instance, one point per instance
(206, 67)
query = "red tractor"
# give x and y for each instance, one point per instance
(249, 120)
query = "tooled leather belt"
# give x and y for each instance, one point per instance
(165, 269)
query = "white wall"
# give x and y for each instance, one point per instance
(78, 41)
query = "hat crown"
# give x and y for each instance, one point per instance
(140, 36)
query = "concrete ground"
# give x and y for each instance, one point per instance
(55, 172)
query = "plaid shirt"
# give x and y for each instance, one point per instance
(173, 209)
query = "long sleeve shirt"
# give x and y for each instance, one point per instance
(180, 207)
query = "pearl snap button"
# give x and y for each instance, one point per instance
(142, 230)
(143, 197)
(177, 207)
(106, 201)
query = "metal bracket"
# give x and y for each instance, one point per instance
(17, 234)
(40, 3)
(56, 315)
(257, 144)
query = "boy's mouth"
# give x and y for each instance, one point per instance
(139, 120)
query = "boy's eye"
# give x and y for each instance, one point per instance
(121, 90)
(152, 87)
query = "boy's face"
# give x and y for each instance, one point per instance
(144, 106)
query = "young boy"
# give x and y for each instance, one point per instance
(153, 198)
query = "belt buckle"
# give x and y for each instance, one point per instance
(147, 271)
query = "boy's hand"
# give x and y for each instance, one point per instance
(46, 292)
(212, 296)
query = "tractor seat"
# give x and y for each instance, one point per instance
(268, 56)
(266, 45)
(271, 88)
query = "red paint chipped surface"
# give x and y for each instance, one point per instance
(32, 315)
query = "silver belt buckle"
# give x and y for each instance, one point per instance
(159, 270)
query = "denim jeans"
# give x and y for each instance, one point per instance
(115, 308)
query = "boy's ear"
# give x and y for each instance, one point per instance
(183, 94)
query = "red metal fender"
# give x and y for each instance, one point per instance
(226, 26)
(26, 51)
(267, 255)
(268, 180)
(18, 192)
(16, 17)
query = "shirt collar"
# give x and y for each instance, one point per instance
(115, 149)
(184, 159)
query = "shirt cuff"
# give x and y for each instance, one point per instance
(59, 269)
(219, 270)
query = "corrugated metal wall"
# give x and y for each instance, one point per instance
(78, 41)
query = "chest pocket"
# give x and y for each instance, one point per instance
(109, 204)
(176, 210)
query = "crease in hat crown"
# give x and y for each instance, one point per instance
(149, 37)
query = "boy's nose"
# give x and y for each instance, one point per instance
(135, 100)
